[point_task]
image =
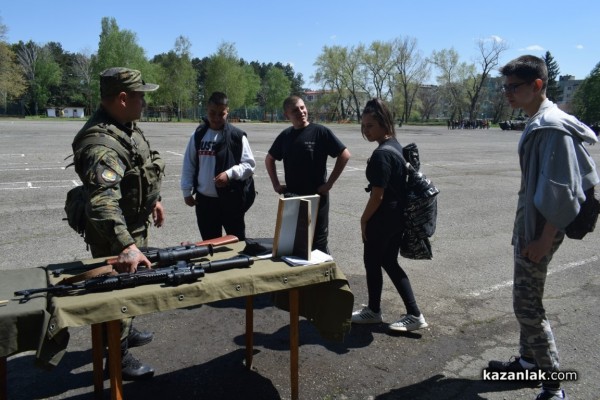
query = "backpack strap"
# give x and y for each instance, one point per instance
(392, 149)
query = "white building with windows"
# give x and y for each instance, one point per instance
(568, 86)
(66, 112)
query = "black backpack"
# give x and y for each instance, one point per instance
(419, 201)
(586, 219)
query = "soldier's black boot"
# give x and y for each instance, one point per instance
(137, 338)
(132, 369)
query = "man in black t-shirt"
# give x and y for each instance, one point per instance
(304, 148)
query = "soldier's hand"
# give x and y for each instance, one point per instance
(130, 258)
(158, 214)
(221, 180)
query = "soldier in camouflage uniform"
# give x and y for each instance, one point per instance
(555, 171)
(122, 176)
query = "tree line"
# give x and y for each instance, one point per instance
(35, 76)
(398, 72)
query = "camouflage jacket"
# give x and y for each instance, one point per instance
(122, 176)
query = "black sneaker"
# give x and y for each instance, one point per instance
(512, 365)
(547, 395)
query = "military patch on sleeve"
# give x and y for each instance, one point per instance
(116, 165)
(109, 175)
(109, 171)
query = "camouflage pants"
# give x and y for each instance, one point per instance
(536, 338)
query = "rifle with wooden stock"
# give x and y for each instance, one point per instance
(186, 251)
(181, 272)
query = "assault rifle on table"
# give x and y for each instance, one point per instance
(182, 272)
(184, 252)
(187, 251)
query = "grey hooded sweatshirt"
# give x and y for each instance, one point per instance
(556, 170)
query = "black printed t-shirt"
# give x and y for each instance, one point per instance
(385, 169)
(304, 153)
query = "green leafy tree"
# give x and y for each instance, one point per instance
(296, 80)
(177, 77)
(411, 71)
(552, 90)
(200, 65)
(340, 72)
(119, 48)
(12, 81)
(70, 91)
(489, 55)
(276, 87)
(453, 80)
(330, 74)
(378, 61)
(225, 73)
(83, 72)
(252, 88)
(586, 101)
(41, 71)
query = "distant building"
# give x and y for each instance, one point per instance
(312, 96)
(67, 112)
(568, 86)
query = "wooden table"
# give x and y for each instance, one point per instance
(318, 292)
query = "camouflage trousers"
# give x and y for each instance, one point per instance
(536, 339)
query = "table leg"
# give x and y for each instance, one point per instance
(294, 341)
(113, 331)
(3, 379)
(249, 331)
(97, 359)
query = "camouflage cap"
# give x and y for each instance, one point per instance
(118, 79)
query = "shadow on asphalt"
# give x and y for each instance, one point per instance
(440, 387)
(224, 377)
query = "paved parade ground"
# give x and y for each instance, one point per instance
(464, 292)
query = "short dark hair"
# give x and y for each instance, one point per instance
(381, 113)
(528, 67)
(290, 101)
(218, 99)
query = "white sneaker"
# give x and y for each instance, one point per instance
(366, 316)
(409, 323)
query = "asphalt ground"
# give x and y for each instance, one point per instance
(464, 292)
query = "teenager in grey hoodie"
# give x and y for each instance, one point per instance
(556, 169)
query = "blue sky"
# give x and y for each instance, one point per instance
(295, 32)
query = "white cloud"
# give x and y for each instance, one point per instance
(497, 39)
(579, 47)
(333, 37)
(533, 47)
